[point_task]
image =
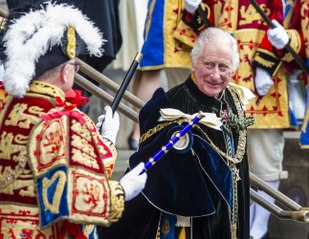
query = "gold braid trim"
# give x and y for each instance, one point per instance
(295, 44)
(157, 128)
(268, 60)
(263, 61)
(44, 88)
(117, 201)
(271, 54)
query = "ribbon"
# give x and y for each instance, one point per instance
(209, 119)
(75, 97)
(61, 103)
(244, 93)
(67, 109)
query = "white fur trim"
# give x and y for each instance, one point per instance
(33, 34)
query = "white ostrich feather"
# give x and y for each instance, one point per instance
(33, 34)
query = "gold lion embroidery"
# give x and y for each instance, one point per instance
(249, 15)
(18, 117)
(9, 148)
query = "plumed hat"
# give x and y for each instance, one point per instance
(42, 36)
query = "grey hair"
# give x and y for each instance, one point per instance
(211, 34)
(52, 71)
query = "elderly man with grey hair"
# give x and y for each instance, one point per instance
(200, 188)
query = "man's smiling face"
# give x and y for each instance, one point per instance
(213, 69)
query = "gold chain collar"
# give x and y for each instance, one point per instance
(242, 138)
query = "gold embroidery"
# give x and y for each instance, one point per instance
(8, 149)
(19, 220)
(84, 158)
(295, 44)
(60, 177)
(48, 145)
(81, 130)
(24, 185)
(290, 5)
(117, 196)
(92, 206)
(250, 15)
(43, 88)
(71, 44)
(157, 128)
(18, 117)
(264, 62)
(84, 152)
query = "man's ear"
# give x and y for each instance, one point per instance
(64, 73)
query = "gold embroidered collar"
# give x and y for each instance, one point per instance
(44, 88)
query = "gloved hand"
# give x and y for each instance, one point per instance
(133, 183)
(263, 81)
(111, 124)
(278, 36)
(192, 5)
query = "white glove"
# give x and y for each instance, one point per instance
(278, 36)
(133, 183)
(111, 124)
(263, 81)
(192, 5)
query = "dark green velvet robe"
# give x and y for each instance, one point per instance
(194, 185)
